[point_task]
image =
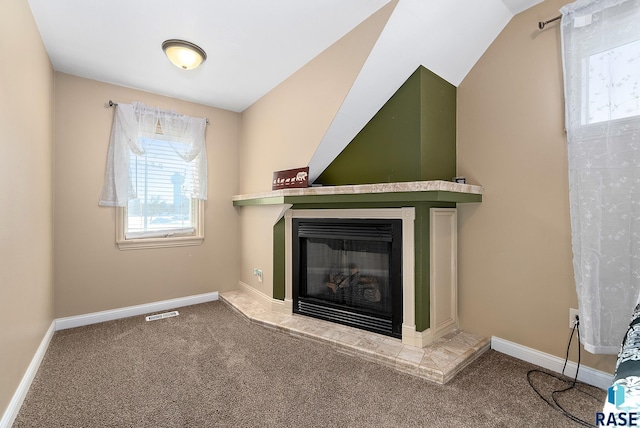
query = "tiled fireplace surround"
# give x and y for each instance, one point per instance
(437, 353)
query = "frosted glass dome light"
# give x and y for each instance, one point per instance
(183, 54)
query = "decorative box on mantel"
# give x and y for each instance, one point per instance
(428, 213)
(290, 178)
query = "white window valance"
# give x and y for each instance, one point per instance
(134, 122)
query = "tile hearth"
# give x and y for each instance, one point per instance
(439, 362)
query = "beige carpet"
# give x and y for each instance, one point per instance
(208, 367)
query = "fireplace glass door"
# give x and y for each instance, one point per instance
(349, 271)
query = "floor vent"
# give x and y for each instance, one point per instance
(161, 316)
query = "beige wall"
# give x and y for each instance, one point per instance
(26, 228)
(91, 273)
(515, 259)
(283, 129)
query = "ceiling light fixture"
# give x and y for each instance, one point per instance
(183, 54)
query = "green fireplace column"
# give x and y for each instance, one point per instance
(278, 260)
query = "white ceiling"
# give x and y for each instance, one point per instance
(253, 45)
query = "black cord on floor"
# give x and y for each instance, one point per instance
(572, 384)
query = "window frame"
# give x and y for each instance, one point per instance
(170, 240)
(589, 51)
(584, 95)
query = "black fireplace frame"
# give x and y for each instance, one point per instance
(361, 229)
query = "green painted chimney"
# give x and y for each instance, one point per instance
(411, 138)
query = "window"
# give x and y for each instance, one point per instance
(611, 89)
(156, 177)
(163, 211)
(601, 58)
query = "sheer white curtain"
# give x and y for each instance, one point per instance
(601, 58)
(131, 123)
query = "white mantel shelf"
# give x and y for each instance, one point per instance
(412, 191)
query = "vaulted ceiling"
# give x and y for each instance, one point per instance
(253, 45)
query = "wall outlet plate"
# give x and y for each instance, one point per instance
(573, 313)
(258, 272)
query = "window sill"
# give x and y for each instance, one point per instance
(159, 242)
(139, 244)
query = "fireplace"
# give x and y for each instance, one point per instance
(349, 271)
(429, 244)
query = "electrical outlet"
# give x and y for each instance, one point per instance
(573, 313)
(258, 272)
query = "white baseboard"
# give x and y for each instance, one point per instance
(18, 397)
(130, 311)
(258, 295)
(276, 305)
(586, 374)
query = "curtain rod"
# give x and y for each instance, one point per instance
(112, 104)
(541, 24)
